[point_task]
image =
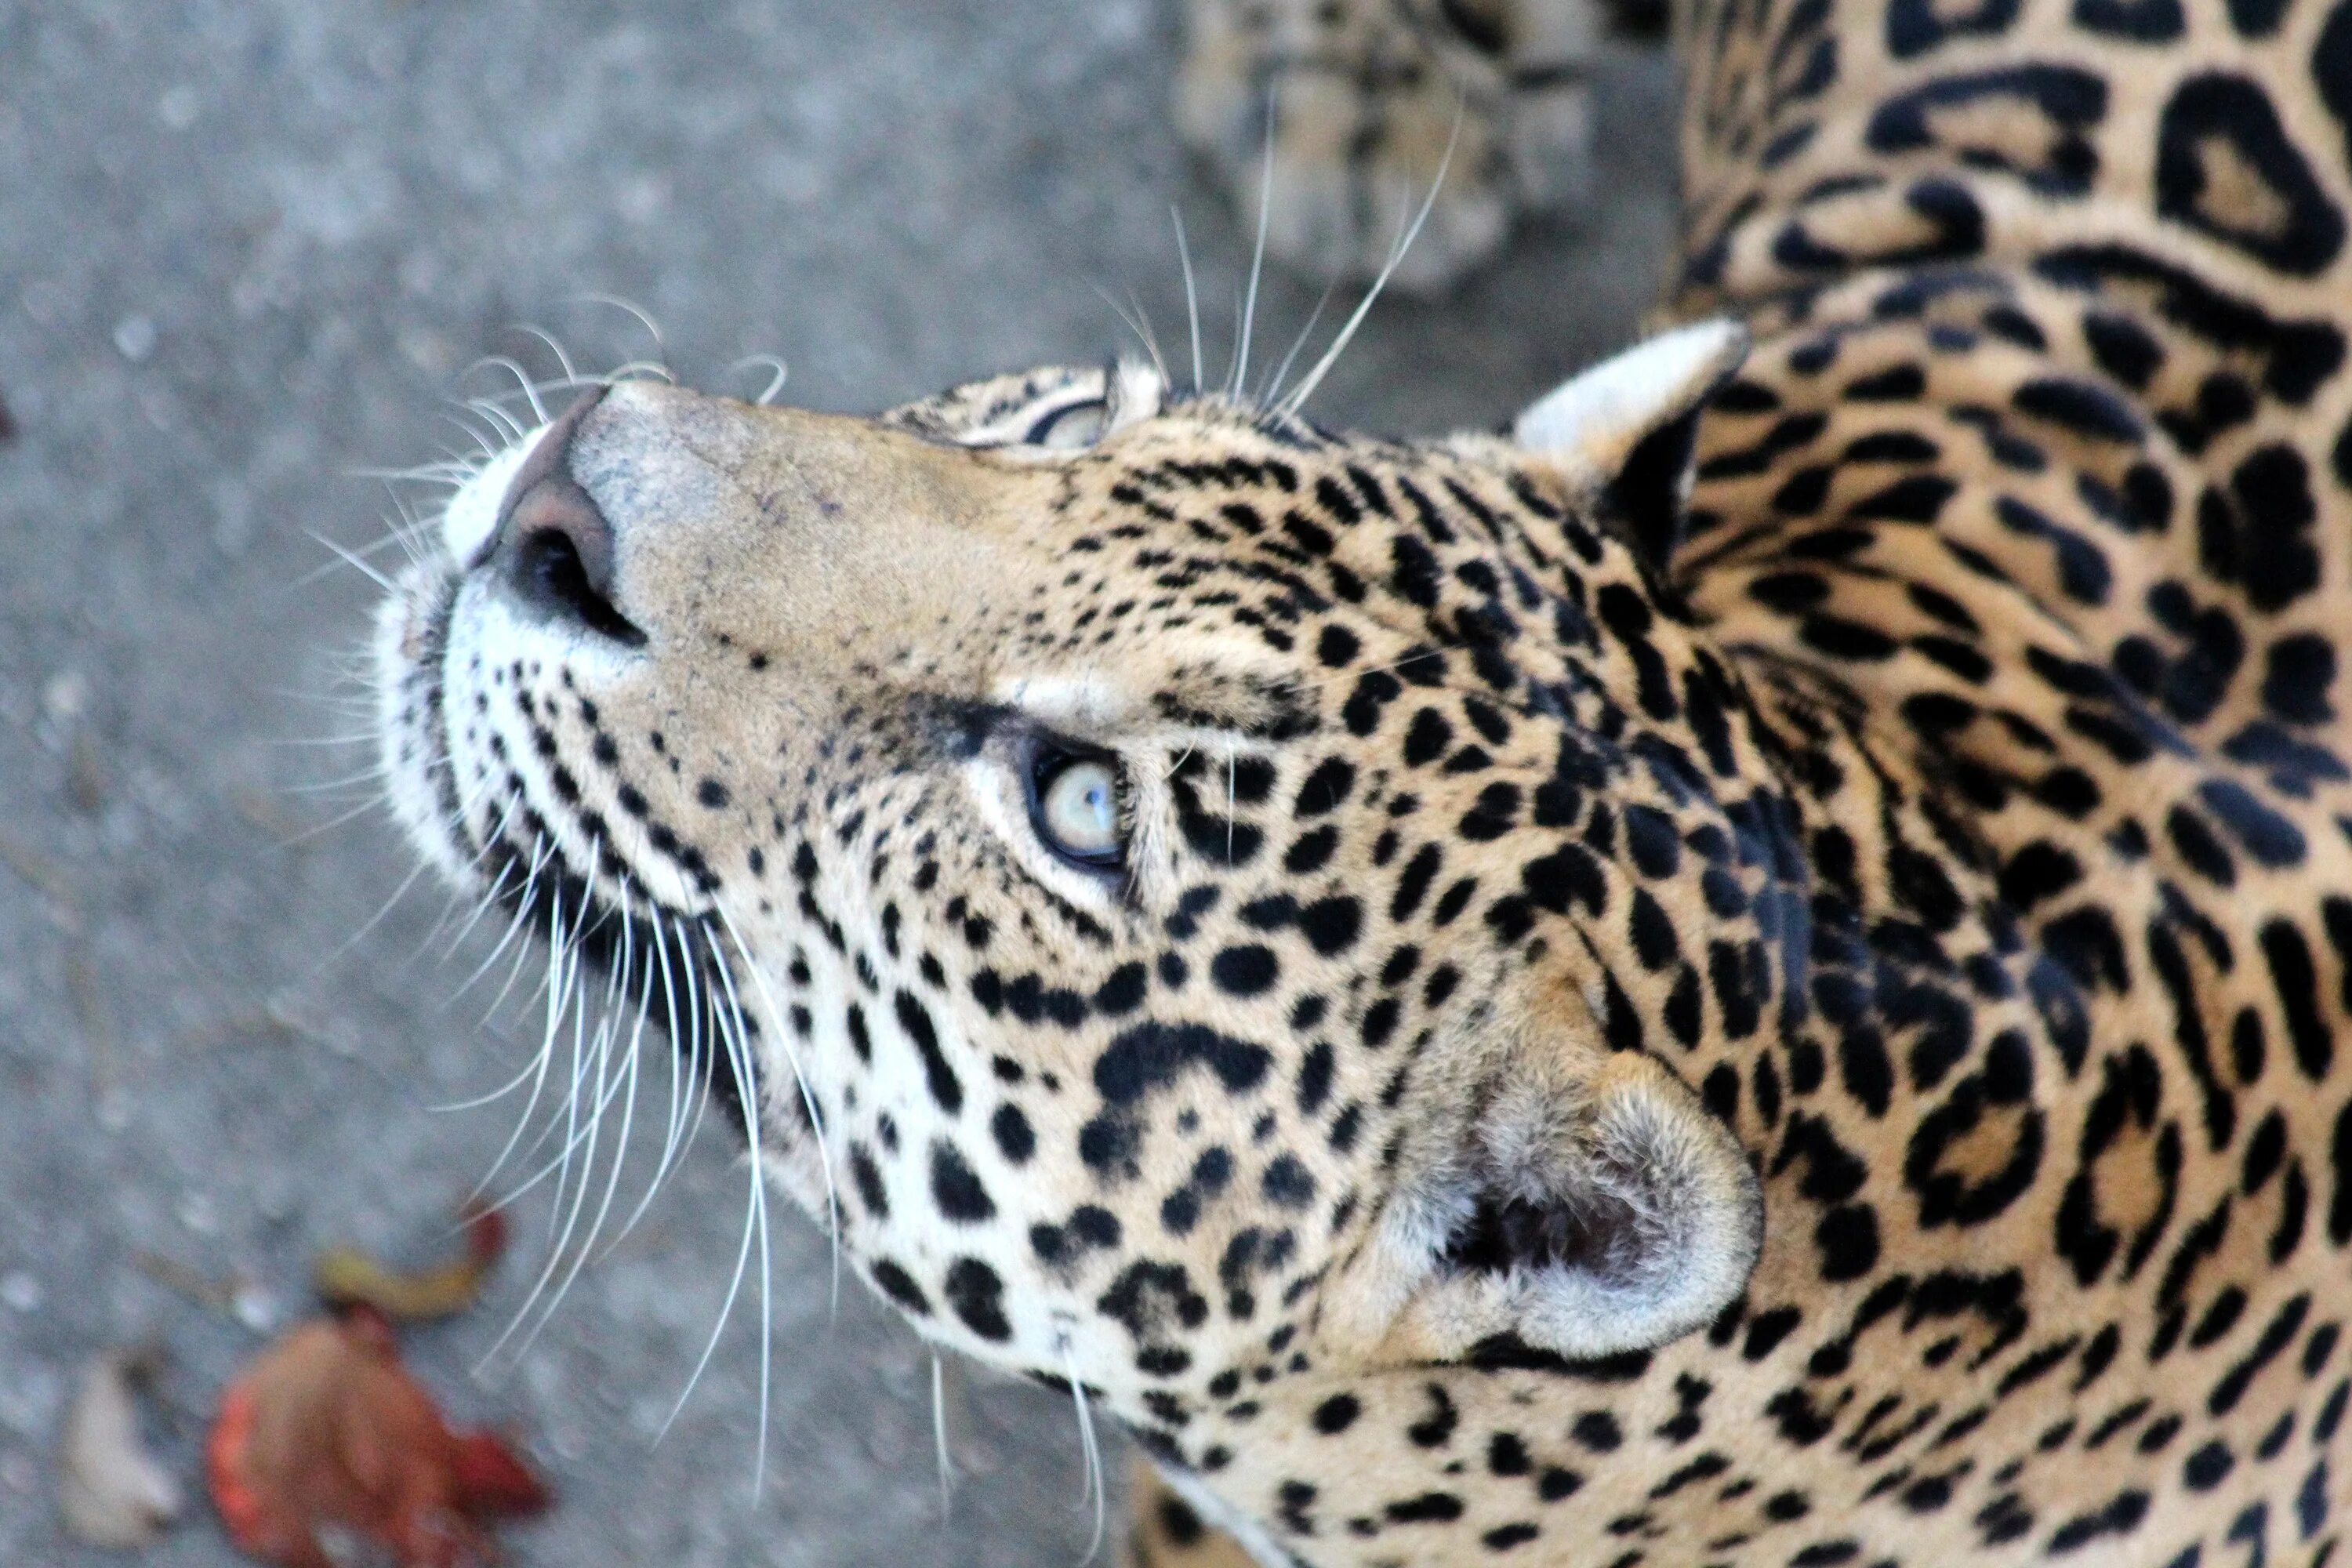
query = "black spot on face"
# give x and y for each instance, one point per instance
(956, 1189)
(1015, 1138)
(900, 1287)
(1247, 971)
(1330, 924)
(868, 1177)
(977, 1294)
(1288, 1184)
(1336, 1414)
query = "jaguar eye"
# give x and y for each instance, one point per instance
(1074, 801)
(1070, 427)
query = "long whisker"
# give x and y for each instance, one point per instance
(515, 924)
(1274, 386)
(776, 381)
(755, 1226)
(514, 927)
(627, 1074)
(808, 1099)
(1258, 257)
(1090, 1450)
(1151, 338)
(555, 961)
(1290, 405)
(371, 774)
(579, 1048)
(351, 559)
(530, 387)
(560, 1247)
(514, 973)
(482, 907)
(678, 1073)
(940, 1437)
(707, 1043)
(373, 921)
(1134, 322)
(1191, 293)
(496, 417)
(313, 831)
(570, 377)
(489, 450)
(653, 331)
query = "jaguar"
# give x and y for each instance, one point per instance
(1749, 970)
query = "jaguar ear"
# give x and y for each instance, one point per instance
(1627, 425)
(1597, 1210)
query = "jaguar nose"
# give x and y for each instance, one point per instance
(551, 549)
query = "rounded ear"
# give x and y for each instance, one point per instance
(1627, 425)
(1595, 1212)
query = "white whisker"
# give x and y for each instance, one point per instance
(669, 1130)
(373, 921)
(496, 417)
(1290, 405)
(645, 321)
(1257, 258)
(351, 559)
(640, 369)
(1151, 338)
(1273, 388)
(775, 383)
(1091, 1452)
(353, 815)
(1192, 294)
(570, 377)
(489, 448)
(579, 1049)
(483, 905)
(691, 1052)
(546, 1052)
(514, 926)
(375, 774)
(559, 1244)
(705, 1060)
(799, 1079)
(625, 1075)
(1134, 322)
(343, 559)
(940, 1437)
(755, 1226)
(530, 387)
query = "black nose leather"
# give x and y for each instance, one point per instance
(552, 547)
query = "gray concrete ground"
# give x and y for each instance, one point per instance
(248, 245)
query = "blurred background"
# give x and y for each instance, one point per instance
(249, 249)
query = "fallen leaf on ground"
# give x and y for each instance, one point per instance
(111, 1490)
(326, 1430)
(346, 1276)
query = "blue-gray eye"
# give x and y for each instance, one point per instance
(1076, 805)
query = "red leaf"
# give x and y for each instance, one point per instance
(326, 1428)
